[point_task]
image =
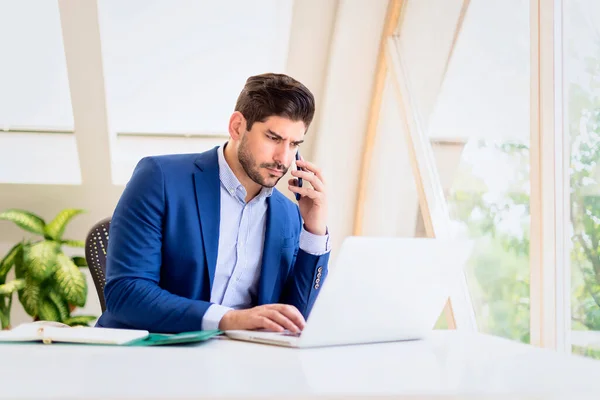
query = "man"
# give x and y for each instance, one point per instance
(205, 241)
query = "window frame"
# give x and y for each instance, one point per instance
(550, 317)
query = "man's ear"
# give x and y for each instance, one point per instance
(237, 125)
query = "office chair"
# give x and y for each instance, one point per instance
(96, 245)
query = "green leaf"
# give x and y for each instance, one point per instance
(71, 283)
(20, 271)
(61, 305)
(12, 286)
(74, 243)
(30, 297)
(56, 228)
(40, 259)
(8, 261)
(80, 320)
(31, 294)
(24, 219)
(80, 262)
(48, 311)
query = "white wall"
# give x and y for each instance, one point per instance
(350, 78)
(333, 49)
(38, 158)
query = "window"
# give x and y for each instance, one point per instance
(581, 68)
(36, 118)
(174, 71)
(470, 84)
(33, 71)
(178, 67)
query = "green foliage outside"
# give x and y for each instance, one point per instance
(499, 271)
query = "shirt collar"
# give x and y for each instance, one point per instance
(231, 182)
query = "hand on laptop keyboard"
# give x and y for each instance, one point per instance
(272, 317)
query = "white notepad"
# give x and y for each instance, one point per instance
(49, 331)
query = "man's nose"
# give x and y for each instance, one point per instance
(283, 156)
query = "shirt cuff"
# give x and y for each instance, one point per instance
(213, 316)
(315, 245)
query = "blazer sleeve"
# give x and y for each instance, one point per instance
(305, 279)
(134, 259)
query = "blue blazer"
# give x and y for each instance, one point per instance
(162, 251)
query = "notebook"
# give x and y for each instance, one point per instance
(55, 332)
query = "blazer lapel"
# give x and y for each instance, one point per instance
(208, 200)
(270, 268)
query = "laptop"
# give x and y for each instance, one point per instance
(379, 290)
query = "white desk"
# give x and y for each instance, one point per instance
(449, 365)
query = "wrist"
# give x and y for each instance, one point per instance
(320, 230)
(226, 321)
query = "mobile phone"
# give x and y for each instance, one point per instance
(299, 179)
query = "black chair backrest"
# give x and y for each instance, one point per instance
(96, 245)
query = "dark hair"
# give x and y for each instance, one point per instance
(271, 94)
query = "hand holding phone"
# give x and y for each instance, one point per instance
(312, 202)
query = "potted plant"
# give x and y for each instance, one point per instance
(49, 284)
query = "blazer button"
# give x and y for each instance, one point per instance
(317, 281)
(319, 269)
(316, 286)
(318, 274)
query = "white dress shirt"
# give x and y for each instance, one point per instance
(241, 241)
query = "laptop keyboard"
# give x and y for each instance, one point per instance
(290, 333)
(284, 333)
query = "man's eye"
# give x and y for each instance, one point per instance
(273, 138)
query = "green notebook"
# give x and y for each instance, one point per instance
(159, 339)
(54, 332)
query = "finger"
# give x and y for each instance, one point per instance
(310, 177)
(308, 166)
(292, 314)
(305, 191)
(281, 319)
(264, 322)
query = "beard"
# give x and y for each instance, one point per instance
(248, 162)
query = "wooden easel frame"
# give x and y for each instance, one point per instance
(459, 312)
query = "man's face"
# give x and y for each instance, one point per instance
(268, 149)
